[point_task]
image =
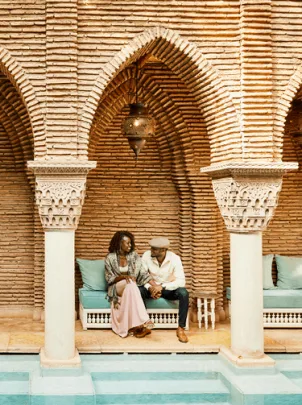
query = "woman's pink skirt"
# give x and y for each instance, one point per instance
(131, 311)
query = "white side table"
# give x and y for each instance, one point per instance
(205, 308)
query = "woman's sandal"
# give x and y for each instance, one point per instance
(135, 329)
(149, 324)
(143, 333)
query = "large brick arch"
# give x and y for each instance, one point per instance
(204, 82)
(183, 147)
(16, 75)
(284, 103)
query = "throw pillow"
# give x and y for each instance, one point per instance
(267, 261)
(93, 274)
(289, 272)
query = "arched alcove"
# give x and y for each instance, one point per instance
(17, 217)
(163, 193)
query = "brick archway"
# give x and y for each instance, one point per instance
(182, 144)
(282, 109)
(204, 82)
(16, 75)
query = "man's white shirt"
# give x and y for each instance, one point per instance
(170, 274)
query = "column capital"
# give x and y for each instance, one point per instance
(247, 192)
(60, 191)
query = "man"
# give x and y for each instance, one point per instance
(168, 280)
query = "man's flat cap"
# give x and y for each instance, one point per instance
(160, 242)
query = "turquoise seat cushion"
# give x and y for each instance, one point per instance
(97, 300)
(93, 299)
(289, 270)
(161, 303)
(278, 298)
(93, 274)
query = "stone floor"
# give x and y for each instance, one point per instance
(26, 336)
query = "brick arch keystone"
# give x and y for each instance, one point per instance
(284, 103)
(203, 80)
(17, 76)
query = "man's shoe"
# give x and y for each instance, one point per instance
(142, 333)
(182, 337)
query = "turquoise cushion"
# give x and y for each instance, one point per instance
(93, 274)
(93, 299)
(161, 303)
(267, 261)
(289, 270)
(278, 298)
(97, 300)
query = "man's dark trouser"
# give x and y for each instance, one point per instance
(180, 294)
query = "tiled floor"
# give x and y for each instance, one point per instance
(26, 336)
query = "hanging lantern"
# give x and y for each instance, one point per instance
(138, 127)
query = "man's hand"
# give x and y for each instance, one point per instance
(155, 291)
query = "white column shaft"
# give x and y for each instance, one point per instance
(247, 337)
(59, 295)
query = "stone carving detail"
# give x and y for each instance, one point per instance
(247, 204)
(60, 202)
(60, 192)
(247, 192)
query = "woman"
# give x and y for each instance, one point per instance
(124, 271)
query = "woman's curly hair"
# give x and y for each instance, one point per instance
(115, 243)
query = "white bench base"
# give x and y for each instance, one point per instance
(101, 318)
(280, 317)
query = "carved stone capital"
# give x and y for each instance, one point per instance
(247, 193)
(60, 192)
(247, 205)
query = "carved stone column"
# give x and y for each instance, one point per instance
(60, 192)
(247, 196)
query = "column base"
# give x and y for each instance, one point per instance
(263, 361)
(74, 362)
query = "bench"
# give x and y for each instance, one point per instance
(281, 308)
(95, 311)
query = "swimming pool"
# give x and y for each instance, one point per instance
(150, 379)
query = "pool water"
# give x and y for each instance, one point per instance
(150, 379)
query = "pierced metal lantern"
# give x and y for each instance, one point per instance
(138, 127)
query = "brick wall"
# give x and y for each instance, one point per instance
(220, 86)
(17, 230)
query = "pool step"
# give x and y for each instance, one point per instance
(295, 377)
(14, 388)
(159, 387)
(14, 383)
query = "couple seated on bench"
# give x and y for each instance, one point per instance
(132, 279)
